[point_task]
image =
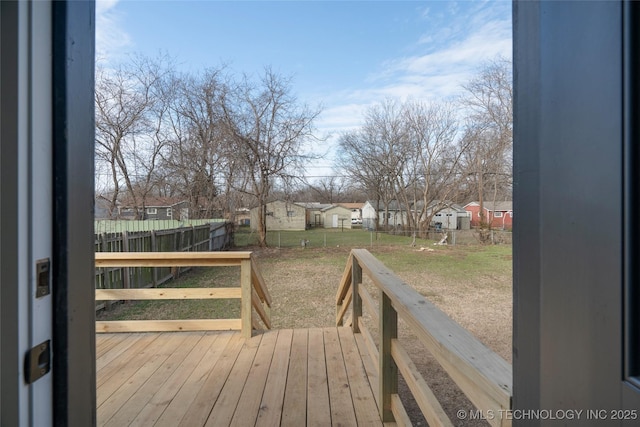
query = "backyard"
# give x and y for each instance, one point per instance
(471, 283)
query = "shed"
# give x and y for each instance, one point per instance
(337, 217)
(281, 216)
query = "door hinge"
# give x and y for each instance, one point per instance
(43, 277)
(37, 362)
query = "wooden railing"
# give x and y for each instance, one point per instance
(481, 374)
(252, 291)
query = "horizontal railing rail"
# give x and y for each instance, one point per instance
(255, 300)
(484, 377)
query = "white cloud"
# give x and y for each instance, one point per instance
(450, 56)
(439, 72)
(111, 39)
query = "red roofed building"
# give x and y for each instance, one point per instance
(498, 214)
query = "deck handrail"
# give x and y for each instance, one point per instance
(252, 292)
(484, 376)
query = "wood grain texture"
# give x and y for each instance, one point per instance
(191, 379)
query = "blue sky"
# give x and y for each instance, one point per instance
(343, 55)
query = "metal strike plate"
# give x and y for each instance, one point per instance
(43, 277)
(37, 362)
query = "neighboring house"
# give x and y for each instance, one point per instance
(281, 216)
(156, 208)
(315, 217)
(449, 216)
(394, 214)
(337, 217)
(243, 216)
(498, 214)
(102, 208)
(356, 211)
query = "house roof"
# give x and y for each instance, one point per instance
(314, 205)
(351, 205)
(155, 202)
(441, 204)
(503, 206)
(449, 205)
(300, 205)
(393, 205)
(340, 206)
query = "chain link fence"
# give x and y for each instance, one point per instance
(245, 237)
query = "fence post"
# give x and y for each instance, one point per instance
(245, 303)
(356, 281)
(388, 371)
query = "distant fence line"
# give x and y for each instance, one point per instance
(368, 238)
(215, 236)
(463, 237)
(116, 226)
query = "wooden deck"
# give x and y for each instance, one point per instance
(312, 377)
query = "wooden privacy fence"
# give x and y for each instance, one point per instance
(480, 373)
(207, 237)
(252, 291)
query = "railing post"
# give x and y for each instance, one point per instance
(125, 272)
(388, 378)
(356, 281)
(245, 303)
(154, 248)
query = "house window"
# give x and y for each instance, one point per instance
(449, 214)
(152, 211)
(291, 213)
(497, 214)
(438, 214)
(169, 212)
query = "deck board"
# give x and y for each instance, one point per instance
(362, 395)
(129, 388)
(317, 382)
(270, 410)
(225, 406)
(295, 395)
(342, 409)
(256, 380)
(199, 410)
(280, 377)
(131, 408)
(177, 409)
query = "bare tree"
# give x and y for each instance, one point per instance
(375, 155)
(434, 157)
(329, 189)
(361, 160)
(404, 152)
(198, 155)
(267, 130)
(489, 131)
(129, 116)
